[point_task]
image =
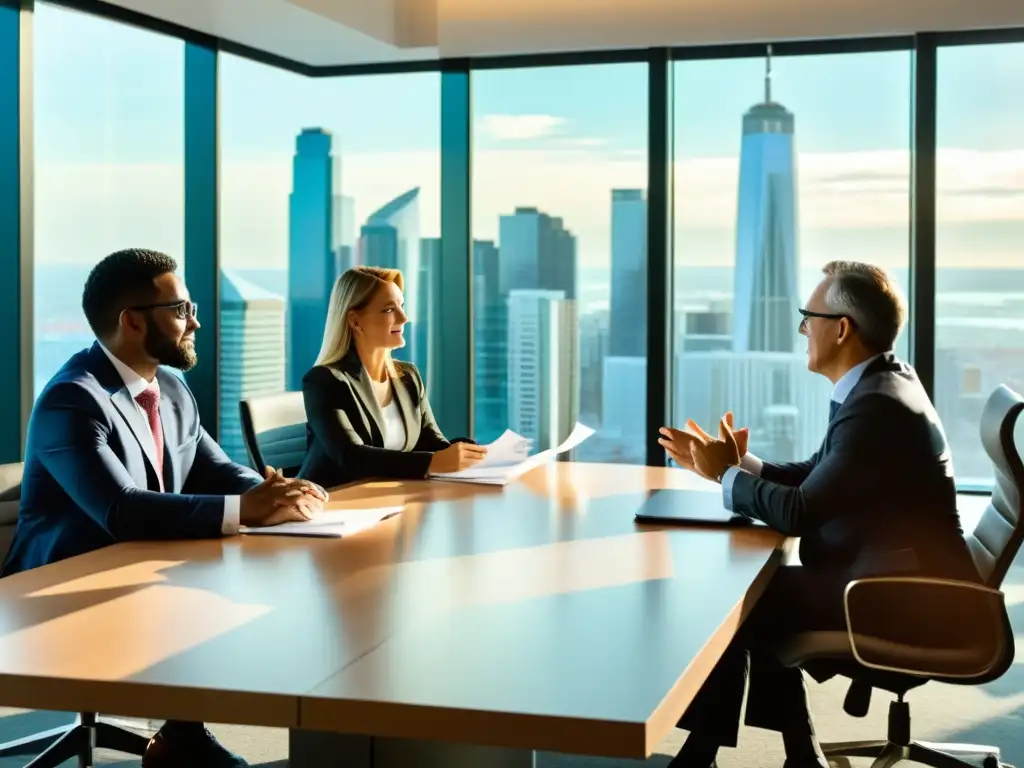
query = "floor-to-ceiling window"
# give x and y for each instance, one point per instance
(782, 164)
(318, 175)
(979, 316)
(559, 211)
(109, 162)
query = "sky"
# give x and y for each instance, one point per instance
(109, 148)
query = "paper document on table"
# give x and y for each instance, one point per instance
(506, 471)
(331, 524)
(507, 450)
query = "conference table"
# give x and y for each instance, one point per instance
(478, 626)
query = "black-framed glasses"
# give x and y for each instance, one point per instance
(185, 309)
(806, 313)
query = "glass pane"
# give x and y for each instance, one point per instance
(318, 175)
(979, 314)
(774, 178)
(560, 256)
(109, 162)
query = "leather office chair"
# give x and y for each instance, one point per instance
(969, 649)
(274, 429)
(10, 499)
(88, 732)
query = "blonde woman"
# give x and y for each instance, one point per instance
(368, 414)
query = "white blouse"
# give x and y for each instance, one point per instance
(394, 427)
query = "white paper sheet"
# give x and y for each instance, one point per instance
(509, 449)
(332, 523)
(504, 473)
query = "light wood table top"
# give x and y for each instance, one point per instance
(538, 616)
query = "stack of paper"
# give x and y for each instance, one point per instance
(508, 458)
(334, 523)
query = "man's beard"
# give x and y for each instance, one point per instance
(181, 355)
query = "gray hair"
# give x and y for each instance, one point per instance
(868, 295)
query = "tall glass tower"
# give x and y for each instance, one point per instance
(391, 238)
(765, 295)
(314, 216)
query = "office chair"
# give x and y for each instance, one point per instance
(80, 739)
(87, 732)
(975, 648)
(274, 429)
(10, 500)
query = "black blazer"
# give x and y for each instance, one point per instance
(88, 481)
(344, 425)
(879, 496)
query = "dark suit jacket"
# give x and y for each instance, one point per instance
(88, 481)
(879, 496)
(344, 425)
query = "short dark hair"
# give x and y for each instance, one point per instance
(123, 279)
(871, 298)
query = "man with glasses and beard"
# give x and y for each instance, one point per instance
(115, 452)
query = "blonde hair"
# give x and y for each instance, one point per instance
(352, 291)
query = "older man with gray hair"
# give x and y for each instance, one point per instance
(877, 498)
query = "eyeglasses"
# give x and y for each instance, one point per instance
(185, 309)
(824, 315)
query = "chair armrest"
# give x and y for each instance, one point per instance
(928, 627)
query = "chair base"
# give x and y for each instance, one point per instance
(80, 739)
(888, 754)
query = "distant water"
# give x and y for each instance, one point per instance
(61, 329)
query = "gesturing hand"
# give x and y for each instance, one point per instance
(679, 443)
(711, 458)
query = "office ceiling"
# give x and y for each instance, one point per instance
(337, 32)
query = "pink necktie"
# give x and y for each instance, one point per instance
(149, 399)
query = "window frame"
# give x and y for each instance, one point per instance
(453, 402)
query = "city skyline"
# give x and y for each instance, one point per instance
(125, 103)
(562, 142)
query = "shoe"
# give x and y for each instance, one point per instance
(681, 762)
(694, 755)
(178, 745)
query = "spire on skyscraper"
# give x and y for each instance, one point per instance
(768, 76)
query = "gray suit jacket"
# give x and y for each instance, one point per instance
(345, 434)
(878, 496)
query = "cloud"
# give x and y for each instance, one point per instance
(520, 127)
(850, 203)
(986, 192)
(582, 142)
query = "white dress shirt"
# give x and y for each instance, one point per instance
(394, 427)
(135, 384)
(750, 463)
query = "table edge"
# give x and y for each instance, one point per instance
(554, 733)
(158, 701)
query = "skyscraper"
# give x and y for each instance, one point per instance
(314, 214)
(252, 360)
(624, 368)
(537, 252)
(426, 328)
(345, 248)
(765, 296)
(391, 238)
(490, 345)
(628, 324)
(543, 365)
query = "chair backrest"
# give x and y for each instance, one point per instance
(997, 538)
(10, 500)
(274, 429)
